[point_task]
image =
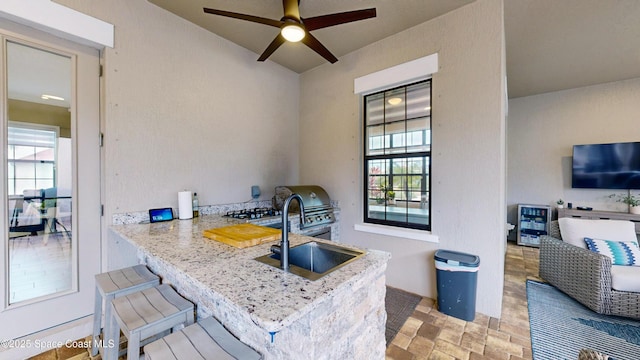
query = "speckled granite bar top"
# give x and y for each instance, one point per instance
(272, 298)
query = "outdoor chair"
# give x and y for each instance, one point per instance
(25, 212)
(586, 276)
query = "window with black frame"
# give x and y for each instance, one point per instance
(397, 160)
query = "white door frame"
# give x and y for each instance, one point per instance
(34, 318)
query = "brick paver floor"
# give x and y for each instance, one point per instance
(429, 334)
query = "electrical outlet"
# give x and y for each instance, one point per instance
(255, 191)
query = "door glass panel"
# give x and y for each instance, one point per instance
(39, 177)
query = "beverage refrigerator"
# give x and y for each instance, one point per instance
(533, 222)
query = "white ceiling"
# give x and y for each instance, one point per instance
(562, 44)
(33, 72)
(550, 44)
(392, 17)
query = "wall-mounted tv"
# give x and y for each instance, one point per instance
(606, 166)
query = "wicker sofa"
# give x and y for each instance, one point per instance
(588, 354)
(585, 276)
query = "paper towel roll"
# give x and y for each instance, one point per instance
(185, 205)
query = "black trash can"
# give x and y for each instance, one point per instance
(457, 278)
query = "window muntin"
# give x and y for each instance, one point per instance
(397, 156)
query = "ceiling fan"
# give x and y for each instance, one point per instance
(294, 28)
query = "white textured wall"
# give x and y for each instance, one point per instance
(542, 130)
(468, 184)
(186, 109)
(180, 102)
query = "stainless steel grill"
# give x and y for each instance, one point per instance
(317, 204)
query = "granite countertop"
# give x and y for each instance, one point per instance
(273, 299)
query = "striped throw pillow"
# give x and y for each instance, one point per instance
(620, 252)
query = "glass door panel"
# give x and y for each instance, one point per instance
(40, 240)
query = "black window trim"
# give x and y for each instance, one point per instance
(406, 155)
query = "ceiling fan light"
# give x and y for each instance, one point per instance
(293, 32)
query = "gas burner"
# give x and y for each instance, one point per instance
(237, 214)
(255, 213)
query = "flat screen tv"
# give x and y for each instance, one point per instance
(606, 166)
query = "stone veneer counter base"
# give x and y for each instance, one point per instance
(281, 315)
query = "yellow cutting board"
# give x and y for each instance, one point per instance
(243, 235)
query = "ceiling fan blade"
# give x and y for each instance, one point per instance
(291, 9)
(316, 46)
(324, 21)
(255, 19)
(275, 44)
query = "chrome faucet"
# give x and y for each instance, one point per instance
(283, 249)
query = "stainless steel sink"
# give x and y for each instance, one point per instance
(314, 260)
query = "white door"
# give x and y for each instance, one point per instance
(50, 224)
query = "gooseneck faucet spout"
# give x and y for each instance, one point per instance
(283, 249)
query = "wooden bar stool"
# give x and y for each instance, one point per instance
(113, 284)
(144, 314)
(207, 339)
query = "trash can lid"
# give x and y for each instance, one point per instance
(457, 258)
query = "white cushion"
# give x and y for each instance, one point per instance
(625, 278)
(574, 230)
